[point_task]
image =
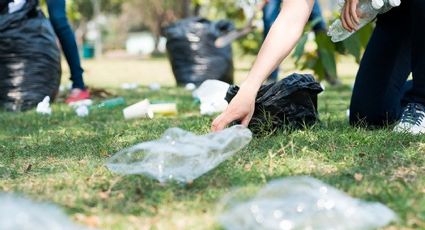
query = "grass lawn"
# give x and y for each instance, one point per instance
(61, 158)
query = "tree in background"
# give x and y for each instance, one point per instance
(153, 15)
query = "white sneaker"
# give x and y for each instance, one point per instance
(413, 120)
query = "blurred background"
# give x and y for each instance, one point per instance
(122, 41)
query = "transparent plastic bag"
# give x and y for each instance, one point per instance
(180, 155)
(302, 203)
(21, 214)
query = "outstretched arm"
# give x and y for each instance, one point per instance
(282, 38)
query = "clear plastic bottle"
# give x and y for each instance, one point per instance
(368, 9)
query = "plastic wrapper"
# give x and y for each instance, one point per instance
(180, 155)
(192, 52)
(22, 214)
(289, 102)
(302, 203)
(212, 95)
(29, 58)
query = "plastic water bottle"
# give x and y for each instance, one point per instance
(368, 10)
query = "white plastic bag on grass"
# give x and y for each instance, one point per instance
(212, 94)
(22, 214)
(180, 155)
(303, 203)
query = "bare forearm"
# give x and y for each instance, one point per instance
(281, 39)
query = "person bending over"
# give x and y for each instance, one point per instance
(381, 95)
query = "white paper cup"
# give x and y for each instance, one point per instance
(166, 109)
(138, 110)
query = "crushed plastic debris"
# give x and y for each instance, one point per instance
(190, 87)
(155, 87)
(82, 111)
(86, 102)
(129, 86)
(164, 109)
(290, 102)
(180, 155)
(44, 107)
(18, 213)
(111, 103)
(138, 110)
(302, 203)
(212, 94)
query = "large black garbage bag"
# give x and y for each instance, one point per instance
(192, 52)
(29, 58)
(3, 5)
(290, 102)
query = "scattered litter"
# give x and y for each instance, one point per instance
(190, 87)
(111, 103)
(155, 87)
(348, 113)
(129, 86)
(19, 213)
(16, 6)
(302, 203)
(82, 111)
(212, 94)
(180, 155)
(291, 101)
(44, 106)
(164, 109)
(86, 102)
(138, 110)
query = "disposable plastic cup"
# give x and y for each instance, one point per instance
(165, 109)
(138, 110)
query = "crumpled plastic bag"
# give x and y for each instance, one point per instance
(303, 203)
(180, 155)
(192, 52)
(291, 101)
(212, 95)
(18, 213)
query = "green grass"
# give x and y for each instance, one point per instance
(67, 156)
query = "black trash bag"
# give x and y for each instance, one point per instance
(290, 102)
(4, 5)
(29, 58)
(192, 52)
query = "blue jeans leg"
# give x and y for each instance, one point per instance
(316, 13)
(380, 86)
(270, 13)
(57, 13)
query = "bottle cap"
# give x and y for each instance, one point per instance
(395, 3)
(377, 4)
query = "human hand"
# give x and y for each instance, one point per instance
(349, 15)
(241, 108)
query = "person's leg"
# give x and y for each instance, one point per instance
(417, 23)
(270, 13)
(58, 18)
(386, 65)
(316, 14)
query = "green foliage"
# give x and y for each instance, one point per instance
(323, 59)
